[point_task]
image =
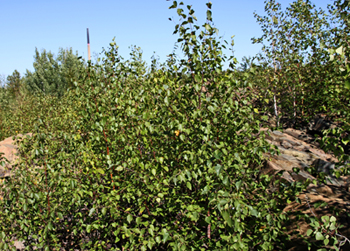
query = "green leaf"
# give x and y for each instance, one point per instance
(88, 228)
(225, 181)
(225, 214)
(182, 137)
(333, 219)
(325, 218)
(209, 14)
(37, 196)
(150, 245)
(309, 232)
(165, 237)
(218, 169)
(100, 170)
(326, 241)
(223, 202)
(150, 231)
(339, 50)
(347, 84)
(49, 226)
(211, 109)
(275, 20)
(238, 185)
(319, 236)
(254, 212)
(174, 5)
(198, 79)
(104, 211)
(129, 218)
(92, 210)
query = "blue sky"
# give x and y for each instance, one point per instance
(26, 25)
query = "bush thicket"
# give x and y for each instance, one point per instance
(167, 157)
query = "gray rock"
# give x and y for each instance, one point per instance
(296, 151)
(319, 124)
(324, 166)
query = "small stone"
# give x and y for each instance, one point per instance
(286, 144)
(299, 148)
(278, 133)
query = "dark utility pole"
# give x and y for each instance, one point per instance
(88, 43)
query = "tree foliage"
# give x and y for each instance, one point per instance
(54, 75)
(14, 83)
(169, 157)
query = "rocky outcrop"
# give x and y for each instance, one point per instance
(300, 150)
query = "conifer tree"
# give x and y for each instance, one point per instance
(14, 83)
(70, 66)
(53, 75)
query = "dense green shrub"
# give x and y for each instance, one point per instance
(166, 158)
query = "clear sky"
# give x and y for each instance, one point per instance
(51, 24)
